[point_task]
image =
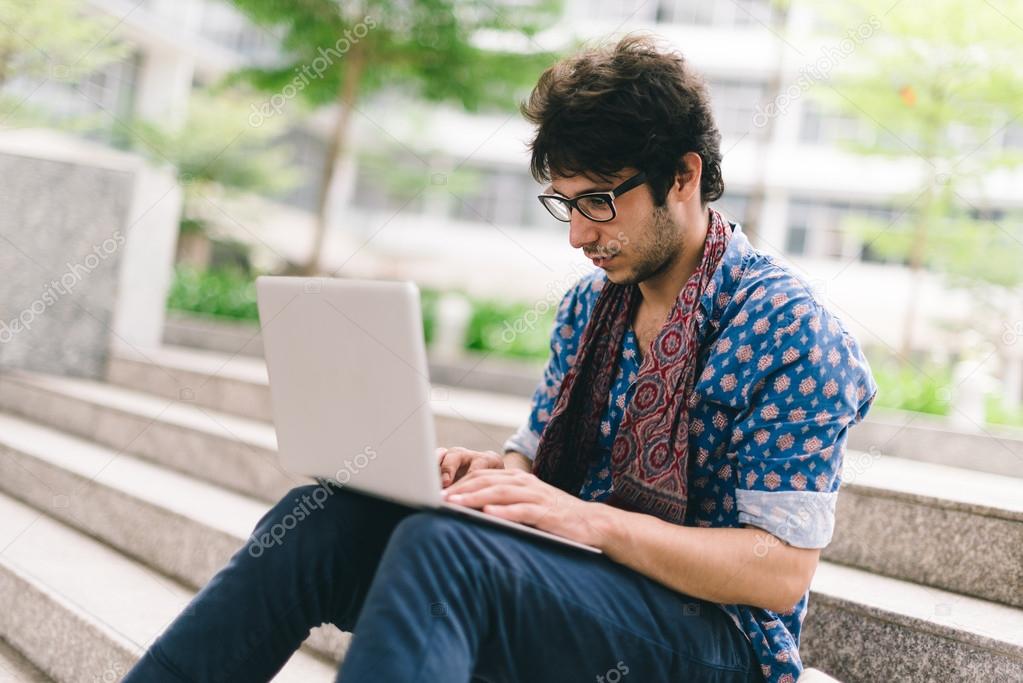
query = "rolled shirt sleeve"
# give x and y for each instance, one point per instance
(812, 384)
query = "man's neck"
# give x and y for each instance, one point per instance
(660, 291)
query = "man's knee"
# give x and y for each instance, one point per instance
(305, 510)
(430, 527)
(442, 536)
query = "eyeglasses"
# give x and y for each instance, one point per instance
(597, 206)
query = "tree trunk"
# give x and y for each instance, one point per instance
(917, 252)
(4, 68)
(347, 96)
(758, 195)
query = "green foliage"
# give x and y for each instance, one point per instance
(509, 329)
(478, 53)
(935, 81)
(429, 48)
(901, 386)
(55, 40)
(428, 299)
(970, 252)
(216, 149)
(933, 75)
(231, 293)
(1000, 414)
(400, 177)
(217, 146)
(227, 293)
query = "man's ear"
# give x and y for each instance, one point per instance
(688, 182)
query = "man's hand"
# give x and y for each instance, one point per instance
(522, 497)
(456, 462)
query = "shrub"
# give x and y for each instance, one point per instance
(228, 293)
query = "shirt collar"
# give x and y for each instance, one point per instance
(725, 279)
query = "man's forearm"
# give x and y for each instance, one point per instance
(726, 565)
(514, 459)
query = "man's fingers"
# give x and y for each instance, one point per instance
(485, 463)
(501, 494)
(457, 462)
(450, 462)
(482, 478)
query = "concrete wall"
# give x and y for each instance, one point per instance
(86, 251)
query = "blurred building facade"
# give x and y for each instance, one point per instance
(445, 197)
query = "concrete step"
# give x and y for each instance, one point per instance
(862, 627)
(232, 452)
(238, 385)
(134, 506)
(481, 371)
(985, 448)
(955, 529)
(14, 667)
(906, 434)
(81, 611)
(940, 526)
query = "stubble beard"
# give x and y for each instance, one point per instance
(665, 245)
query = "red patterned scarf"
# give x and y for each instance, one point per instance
(650, 455)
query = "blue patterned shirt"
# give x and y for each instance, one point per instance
(781, 382)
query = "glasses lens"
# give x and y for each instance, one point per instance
(557, 208)
(596, 207)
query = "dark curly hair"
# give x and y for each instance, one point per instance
(630, 105)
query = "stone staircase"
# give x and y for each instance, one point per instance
(119, 499)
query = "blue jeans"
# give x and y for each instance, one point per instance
(435, 597)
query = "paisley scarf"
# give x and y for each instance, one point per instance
(650, 454)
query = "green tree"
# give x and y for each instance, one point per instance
(338, 53)
(939, 81)
(215, 150)
(51, 40)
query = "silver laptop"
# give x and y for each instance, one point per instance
(350, 389)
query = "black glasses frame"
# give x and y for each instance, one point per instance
(609, 196)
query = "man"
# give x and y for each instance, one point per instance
(690, 423)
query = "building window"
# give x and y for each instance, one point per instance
(818, 229)
(795, 238)
(1013, 136)
(618, 10)
(728, 14)
(224, 25)
(734, 104)
(733, 207)
(501, 195)
(391, 185)
(106, 95)
(497, 194)
(820, 127)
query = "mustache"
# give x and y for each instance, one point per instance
(598, 252)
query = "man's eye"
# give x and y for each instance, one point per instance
(594, 202)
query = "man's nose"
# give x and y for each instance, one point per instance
(581, 230)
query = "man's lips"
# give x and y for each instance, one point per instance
(601, 261)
